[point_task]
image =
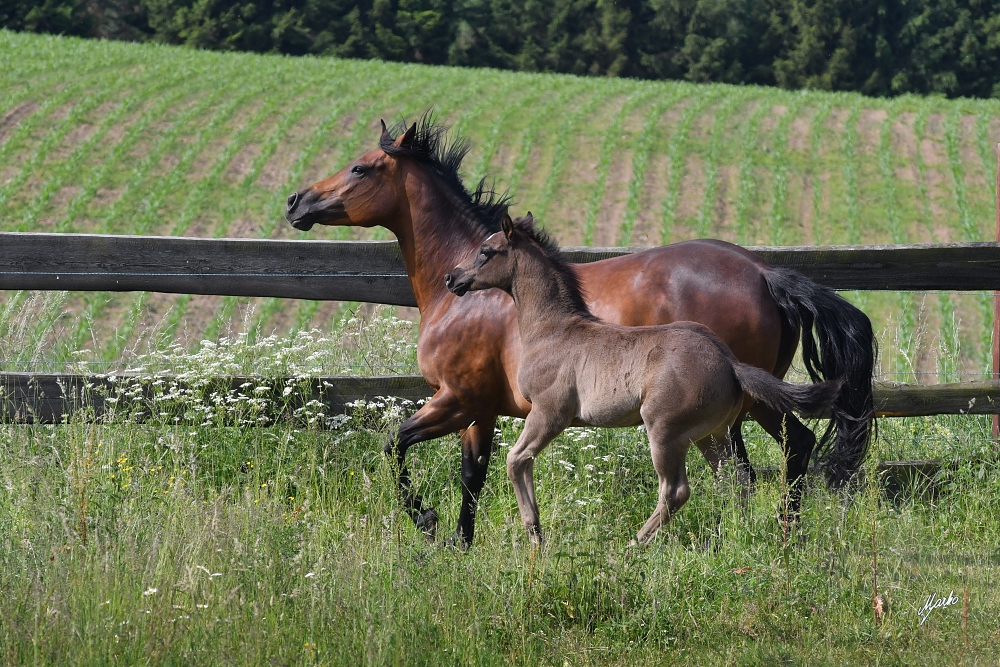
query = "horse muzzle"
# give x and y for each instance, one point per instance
(458, 282)
(305, 208)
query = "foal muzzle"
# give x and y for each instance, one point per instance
(458, 282)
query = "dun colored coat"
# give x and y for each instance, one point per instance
(679, 380)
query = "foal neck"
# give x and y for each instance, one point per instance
(546, 292)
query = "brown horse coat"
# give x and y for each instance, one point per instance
(469, 349)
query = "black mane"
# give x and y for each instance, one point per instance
(557, 260)
(443, 156)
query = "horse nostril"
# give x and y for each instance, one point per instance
(449, 280)
(293, 199)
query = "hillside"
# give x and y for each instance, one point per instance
(138, 139)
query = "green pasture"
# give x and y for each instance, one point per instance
(140, 139)
(197, 538)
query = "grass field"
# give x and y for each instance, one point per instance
(200, 539)
(127, 139)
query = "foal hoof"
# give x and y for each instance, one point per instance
(426, 523)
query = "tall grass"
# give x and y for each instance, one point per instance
(191, 540)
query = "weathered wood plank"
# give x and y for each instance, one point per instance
(932, 266)
(318, 270)
(46, 398)
(374, 271)
(52, 398)
(962, 398)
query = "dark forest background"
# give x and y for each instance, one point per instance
(887, 47)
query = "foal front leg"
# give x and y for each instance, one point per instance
(539, 431)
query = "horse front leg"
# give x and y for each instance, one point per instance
(441, 415)
(477, 446)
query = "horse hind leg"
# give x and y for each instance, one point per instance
(720, 451)
(797, 440)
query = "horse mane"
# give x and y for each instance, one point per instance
(442, 154)
(573, 294)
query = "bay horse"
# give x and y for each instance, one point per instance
(410, 184)
(679, 380)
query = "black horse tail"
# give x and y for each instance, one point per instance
(837, 343)
(785, 396)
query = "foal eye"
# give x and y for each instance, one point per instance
(358, 169)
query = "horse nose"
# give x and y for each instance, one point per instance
(293, 201)
(449, 280)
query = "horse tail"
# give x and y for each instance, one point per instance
(817, 397)
(837, 344)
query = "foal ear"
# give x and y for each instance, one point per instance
(406, 139)
(507, 225)
(385, 131)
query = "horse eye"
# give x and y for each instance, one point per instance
(358, 169)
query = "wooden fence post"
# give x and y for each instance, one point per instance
(996, 309)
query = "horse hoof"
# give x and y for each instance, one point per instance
(426, 523)
(457, 542)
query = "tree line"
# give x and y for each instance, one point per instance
(877, 47)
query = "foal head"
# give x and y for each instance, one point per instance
(492, 265)
(521, 249)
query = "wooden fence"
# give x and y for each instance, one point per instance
(374, 272)
(51, 398)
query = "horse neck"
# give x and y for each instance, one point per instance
(433, 237)
(542, 294)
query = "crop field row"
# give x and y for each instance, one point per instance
(128, 139)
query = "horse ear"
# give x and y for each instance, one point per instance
(528, 219)
(507, 225)
(406, 139)
(385, 131)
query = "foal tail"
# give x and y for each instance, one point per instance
(817, 397)
(837, 343)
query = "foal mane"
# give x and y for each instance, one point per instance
(483, 208)
(572, 295)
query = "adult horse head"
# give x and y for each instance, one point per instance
(411, 186)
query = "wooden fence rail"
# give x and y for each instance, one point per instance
(373, 271)
(51, 398)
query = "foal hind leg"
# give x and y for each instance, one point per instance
(438, 417)
(668, 449)
(719, 449)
